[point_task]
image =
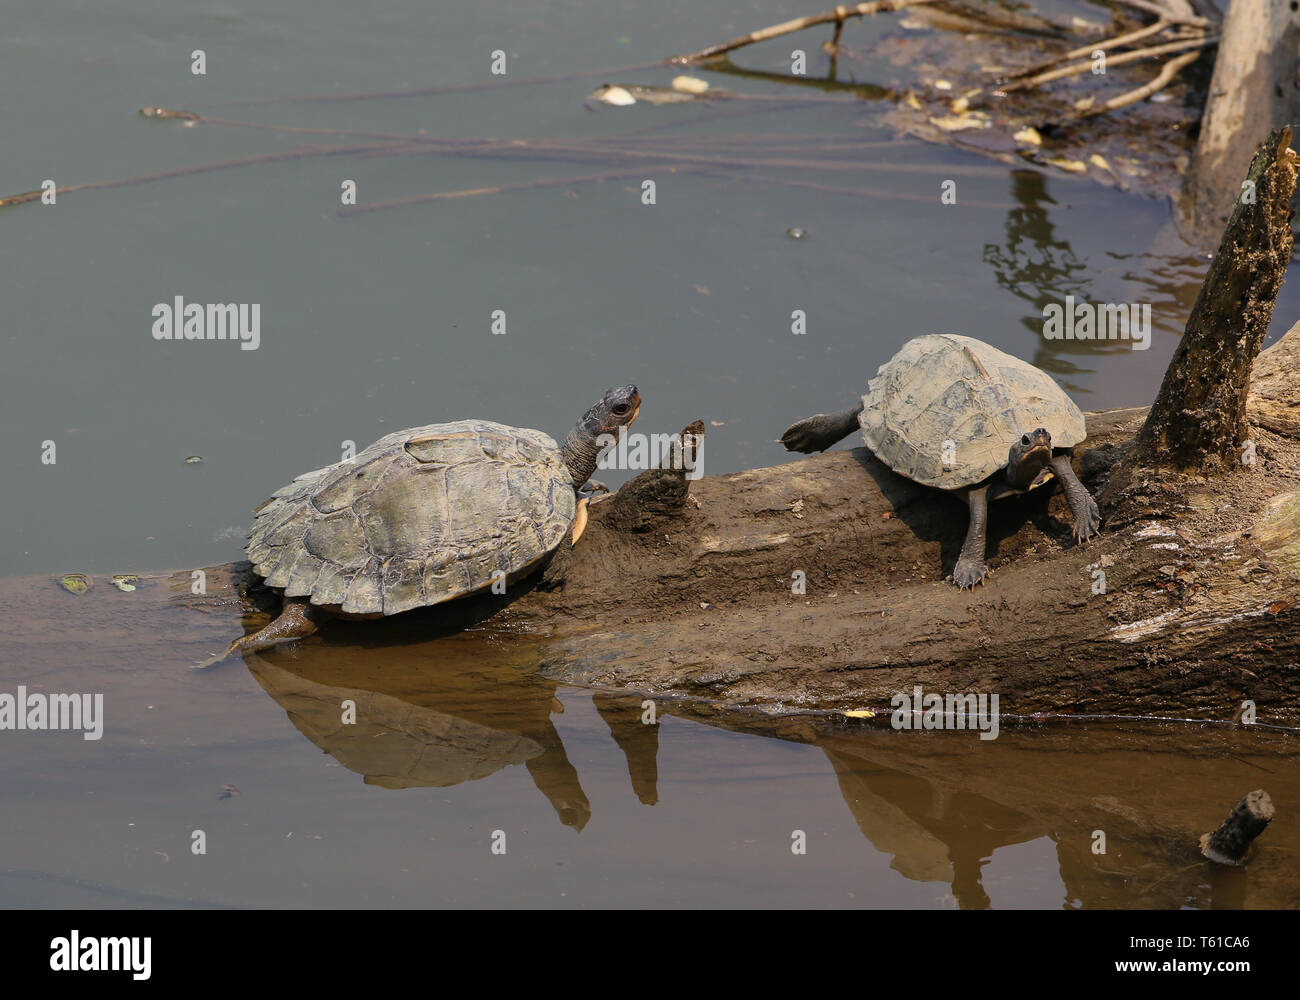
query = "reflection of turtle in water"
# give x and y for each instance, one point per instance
(424, 516)
(943, 412)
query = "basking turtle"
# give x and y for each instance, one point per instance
(954, 413)
(423, 516)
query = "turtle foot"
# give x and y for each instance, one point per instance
(967, 573)
(1087, 522)
(811, 434)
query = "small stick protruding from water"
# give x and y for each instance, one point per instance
(1228, 844)
(168, 113)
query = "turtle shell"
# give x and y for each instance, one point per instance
(945, 410)
(421, 516)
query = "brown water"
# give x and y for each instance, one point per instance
(459, 737)
(380, 321)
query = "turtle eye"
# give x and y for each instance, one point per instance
(621, 409)
(1024, 439)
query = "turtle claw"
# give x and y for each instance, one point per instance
(1087, 523)
(967, 573)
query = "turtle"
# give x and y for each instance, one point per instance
(422, 516)
(955, 413)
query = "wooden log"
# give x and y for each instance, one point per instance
(1248, 819)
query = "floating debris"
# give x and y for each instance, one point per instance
(1073, 166)
(796, 233)
(859, 713)
(690, 84)
(617, 96)
(76, 583)
(621, 95)
(194, 460)
(1099, 161)
(168, 113)
(961, 122)
(125, 582)
(1029, 136)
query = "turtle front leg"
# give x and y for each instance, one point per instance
(297, 621)
(1087, 519)
(971, 568)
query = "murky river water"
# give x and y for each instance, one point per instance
(382, 320)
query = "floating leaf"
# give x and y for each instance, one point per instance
(942, 85)
(1073, 166)
(1097, 160)
(1029, 136)
(125, 581)
(76, 583)
(860, 713)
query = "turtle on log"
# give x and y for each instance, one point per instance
(423, 516)
(957, 414)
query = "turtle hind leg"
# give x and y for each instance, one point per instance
(820, 431)
(297, 620)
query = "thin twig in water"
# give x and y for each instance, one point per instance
(456, 88)
(1161, 10)
(1122, 59)
(1088, 50)
(202, 168)
(1167, 72)
(838, 15)
(417, 199)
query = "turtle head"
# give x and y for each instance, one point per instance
(617, 408)
(1029, 458)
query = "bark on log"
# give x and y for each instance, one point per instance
(1199, 417)
(1255, 88)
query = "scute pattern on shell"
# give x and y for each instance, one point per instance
(421, 516)
(944, 387)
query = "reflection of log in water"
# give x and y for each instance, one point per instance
(939, 804)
